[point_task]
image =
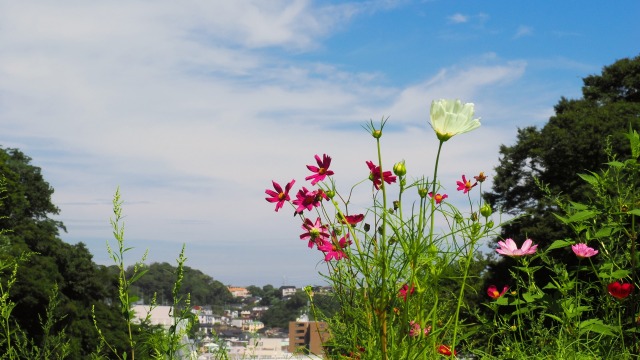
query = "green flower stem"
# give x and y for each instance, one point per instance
(383, 254)
(461, 295)
(433, 193)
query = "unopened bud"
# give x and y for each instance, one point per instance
(423, 192)
(376, 134)
(400, 168)
(330, 194)
(485, 210)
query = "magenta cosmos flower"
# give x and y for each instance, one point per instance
(321, 171)
(509, 248)
(493, 292)
(306, 199)
(334, 249)
(279, 196)
(619, 290)
(465, 185)
(405, 291)
(439, 197)
(374, 175)
(316, 233)
(583, 251)
(352, 219)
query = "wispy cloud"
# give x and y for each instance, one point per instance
(192, 108)
(522, 31)
(458, 18)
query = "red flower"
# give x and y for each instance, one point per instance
(438, 198)
(374, 175)
(465, 184)
(352, 219)
(405, 291)
(620, 290)
(321, 171)
(316, 233)
(445, 350)
(306, 199)
(493, 292)
(279, 196)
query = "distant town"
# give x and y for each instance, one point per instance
(239, 332)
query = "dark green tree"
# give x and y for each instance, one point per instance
(572, 141)
(26, 212)
(159, 279)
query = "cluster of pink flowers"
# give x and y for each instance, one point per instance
(415, 330)
(618, 290)
(315, 232)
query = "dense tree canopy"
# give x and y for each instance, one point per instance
(25, 213)
(160, 278)
(572, 141)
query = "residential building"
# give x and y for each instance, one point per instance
(307, 337)
(237, 291)
(288, 291)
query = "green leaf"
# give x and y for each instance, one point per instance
(634, 212)
(529, 297)
(592, 180)
(597, 326)
(582, 215)
(559, 244)
(618, 274)
(554, 317)
(617, 164)
(604, 232)
(578, 206)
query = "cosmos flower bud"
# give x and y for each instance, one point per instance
(423, 192)
(400, 168)
(485, 210)
(376, 134)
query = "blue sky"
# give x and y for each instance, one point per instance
(193, 107)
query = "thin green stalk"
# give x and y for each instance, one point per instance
(461, 295)
(383, 251)
(433, 193)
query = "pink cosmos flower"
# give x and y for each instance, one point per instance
(465, 184)
(334, 249)
(583, 251)
(316, 233)
(493, 292)
(405, 291)
(438, 198)
(414, 329)
(509, 248)
(306, 199)
(321, 171)
(279, 195)
(619, 290)
(374, 175)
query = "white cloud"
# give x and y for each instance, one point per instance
(458, 18)
(184, 107)
(522, 31)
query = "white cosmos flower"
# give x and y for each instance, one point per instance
(451, 117)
